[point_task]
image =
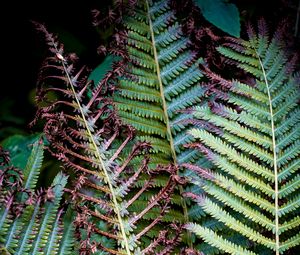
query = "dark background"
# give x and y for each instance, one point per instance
(23, 49)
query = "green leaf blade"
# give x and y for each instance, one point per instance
(222, 14)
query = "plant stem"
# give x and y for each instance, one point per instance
(101, 163)
(275, 160)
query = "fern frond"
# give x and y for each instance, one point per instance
(161, 80)
(161, 65)
(34, 164)
(253, 188)
(55, 235)
(89, 138)
(28, 178)
(215, 240)
(48, 222)
(37, 229)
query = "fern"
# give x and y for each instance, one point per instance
(254, 188)
(161, 80)
(31, 220)
(89, 138)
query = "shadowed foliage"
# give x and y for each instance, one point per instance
(32, 220)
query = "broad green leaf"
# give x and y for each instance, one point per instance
(20, 148)
(99, 72)
(222, 14)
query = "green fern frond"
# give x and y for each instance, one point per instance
(161, 81)
(254, 187)
(166, 72)
(31, 173)
(34, 164)
(49, 221)
(215, 240)
(38, 229)
(67, 242)
(52, 245)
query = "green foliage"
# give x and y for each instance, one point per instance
(31, 218)
(253, 188)
(99, 72)
(163, 77)
(161, 81)
(222, 14)
(241, 156)
(20, 148)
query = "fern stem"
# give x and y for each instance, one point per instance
(275, 160)
(116, 206)
(169, 133)
(164, 104)
(151, 225)
(141, 191)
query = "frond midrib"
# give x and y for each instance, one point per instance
(165, 110)
(116, 205)
(276, 189)
(161, 88)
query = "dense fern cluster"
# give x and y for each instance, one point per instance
(32, 220)
(163, 155)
